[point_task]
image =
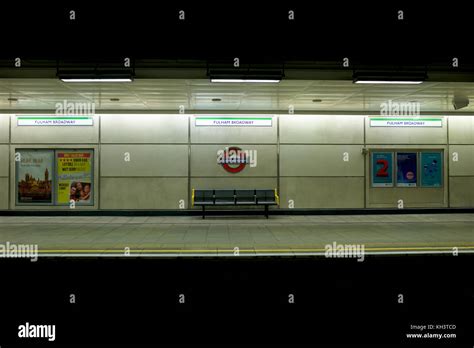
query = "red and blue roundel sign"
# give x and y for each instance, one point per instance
(232, 159)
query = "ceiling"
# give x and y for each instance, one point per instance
(197, 94)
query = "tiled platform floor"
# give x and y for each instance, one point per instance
(251, 234)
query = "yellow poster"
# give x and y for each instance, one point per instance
(74, 184)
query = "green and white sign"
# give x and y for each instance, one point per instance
(55, 121)
(405, 122)
(234, 121)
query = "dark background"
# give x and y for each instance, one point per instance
(254, 30)
(239, 300)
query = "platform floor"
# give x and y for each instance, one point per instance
(252, 235)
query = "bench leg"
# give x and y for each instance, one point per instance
(266, 211)
(203, 211)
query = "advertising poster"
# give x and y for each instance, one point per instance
(431, 169)
(406, 169)
(382, 169)
(34, 173)
(74, 177)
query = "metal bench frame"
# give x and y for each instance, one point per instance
(235, 197)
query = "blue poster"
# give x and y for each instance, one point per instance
(431, 169)
(406, 169)
(382, 169)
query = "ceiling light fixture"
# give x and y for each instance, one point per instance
(94, 80)
(245, 80)
(94, 76)
(389, 77)
(388, 82)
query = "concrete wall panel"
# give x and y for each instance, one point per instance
(329, 129)
(465, 160)
(461, 192)
(145, 160)
(145, 193)
(322, 192)
(136, 129)
(3, 193)
(4, 129)
(321, 160)
(461, 129)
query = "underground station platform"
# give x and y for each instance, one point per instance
(271, 173)
(181, 174)
(252, 236)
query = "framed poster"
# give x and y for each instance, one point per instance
(407, 169)
(74, 171)
(34, 173)
(431, 169)
(382, 169)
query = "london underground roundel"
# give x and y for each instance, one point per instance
(232, 159)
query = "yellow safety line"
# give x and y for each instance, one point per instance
(241, 250)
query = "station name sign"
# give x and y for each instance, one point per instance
(55, 121)
(234, 121)
(405, 122)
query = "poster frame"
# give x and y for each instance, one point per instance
(417, 153)
(374, 185)
(53, 178)
(56, 176)
(441, 155)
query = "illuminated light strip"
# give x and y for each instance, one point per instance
(96, 80)
(379, 82)
(246, 80)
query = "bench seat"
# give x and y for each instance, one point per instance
(231, 197)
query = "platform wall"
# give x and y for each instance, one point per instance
(153, 161)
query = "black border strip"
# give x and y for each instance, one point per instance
(240, 212)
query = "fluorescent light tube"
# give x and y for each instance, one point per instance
(379, 82)
(96, 80)
(245, 80)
